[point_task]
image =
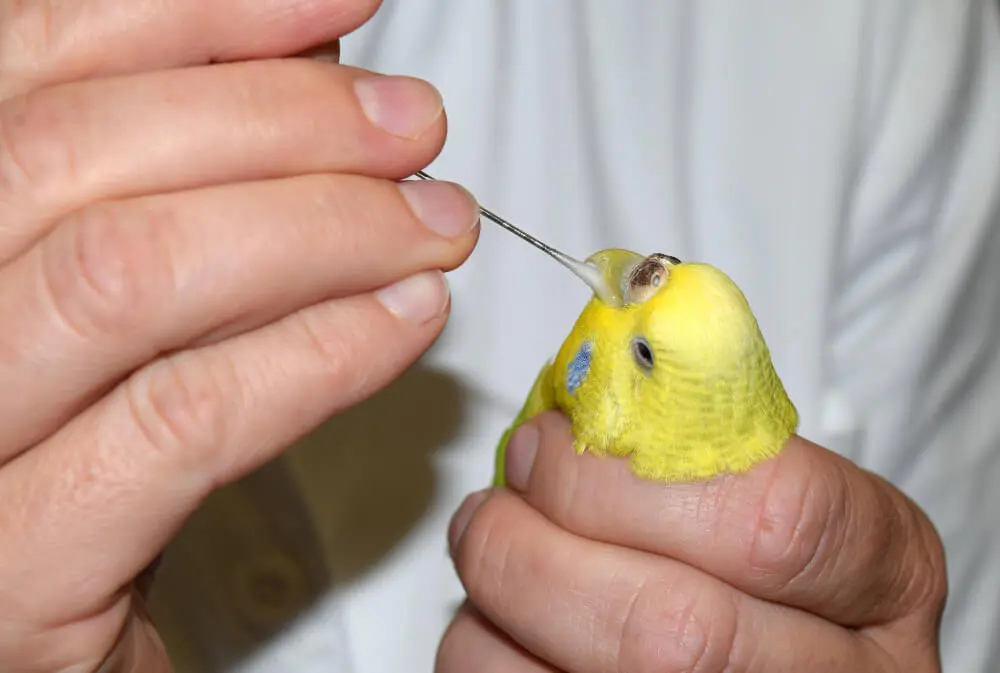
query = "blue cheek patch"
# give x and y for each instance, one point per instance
(579, 366)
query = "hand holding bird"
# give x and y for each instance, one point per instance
(803, 563)
(723, 542)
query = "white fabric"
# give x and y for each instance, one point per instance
(840, 160)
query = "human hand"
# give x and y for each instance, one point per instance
(200, 261)
(806, 563)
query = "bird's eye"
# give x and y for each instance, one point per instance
(642, 354)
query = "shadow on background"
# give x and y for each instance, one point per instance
(259, 552)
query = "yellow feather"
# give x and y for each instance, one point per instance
(711, 402)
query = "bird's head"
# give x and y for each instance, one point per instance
(690, 314)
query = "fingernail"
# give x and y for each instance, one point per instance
(444, 207)
(418, 298)
(521, 452)
(403, 106)
(463, 515)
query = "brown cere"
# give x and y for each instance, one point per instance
(647, 277)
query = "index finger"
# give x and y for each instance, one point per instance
(46, 42)
(807, 529)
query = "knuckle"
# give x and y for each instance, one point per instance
(342, 198)
(14, 172)
(339, 347)
(38, 148)
(100, 269)
(670, 628)
(327, 342)
(179, 405)
(26, 37)
(350, 347)
(797, 521)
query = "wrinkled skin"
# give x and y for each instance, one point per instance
(188, 281)
(806, 563)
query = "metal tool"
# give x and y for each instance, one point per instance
(585, 271)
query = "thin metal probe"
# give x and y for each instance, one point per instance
(606, 288)
(567, 261)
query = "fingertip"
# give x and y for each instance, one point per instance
(554, 421)
(463, 247)
(418, 299)
(405, 107)
(473, 643)
(555, 431)
(446, 209)
(463, 515)
(403, 120)
(292, 26)
(519, 458)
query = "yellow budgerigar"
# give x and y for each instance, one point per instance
(666, 365)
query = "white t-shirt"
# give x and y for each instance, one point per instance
(840, 160)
